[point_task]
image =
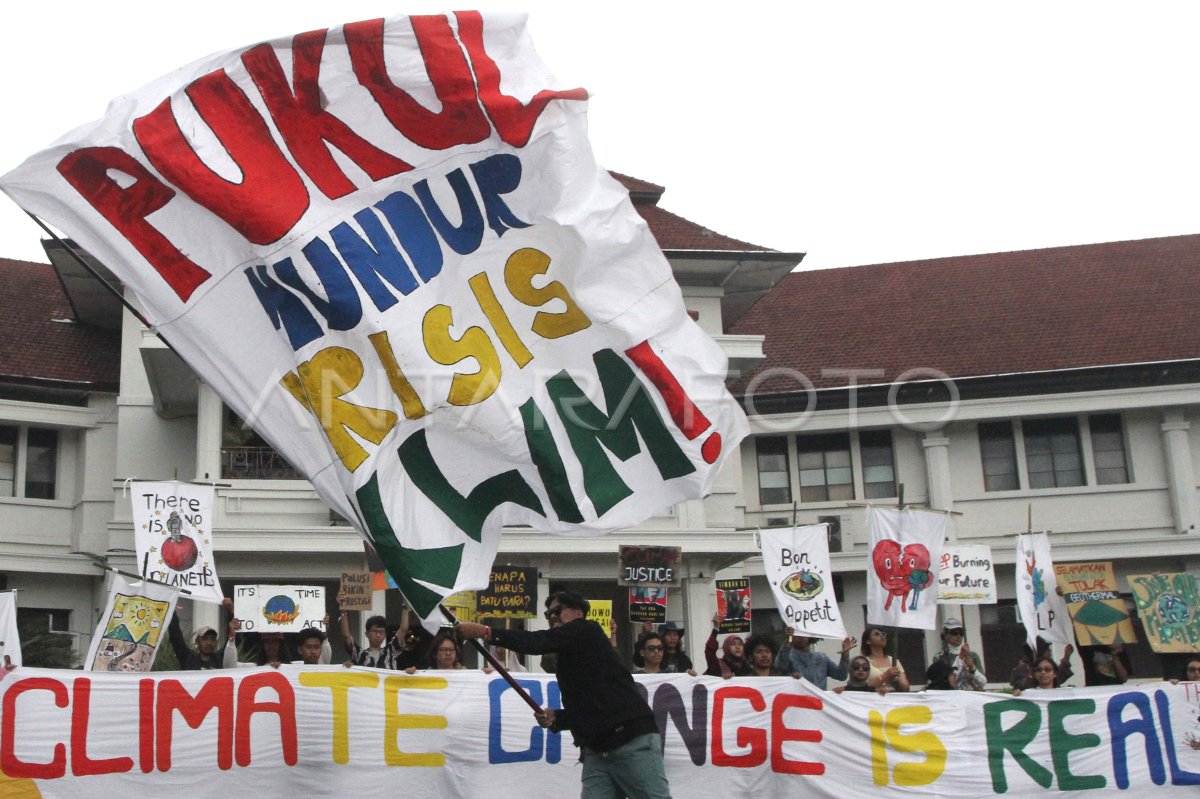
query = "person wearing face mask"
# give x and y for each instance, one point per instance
(618, 739)
(958, 655)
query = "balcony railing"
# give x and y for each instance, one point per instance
(255, 463)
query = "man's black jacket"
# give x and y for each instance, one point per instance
(601, 704)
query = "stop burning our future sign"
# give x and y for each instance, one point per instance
(389, 247)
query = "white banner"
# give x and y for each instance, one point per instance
(172, 532)
(279, 608)
(906, 551)
(132, 628)
(365, 733)
(967, 576)
(1043, 611)
(10, 639)
(389, 248)
(796, 562)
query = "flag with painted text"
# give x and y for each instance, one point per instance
(388, 247)
(172, 533)
(796, 562)
(902, 578)
(1043, 610)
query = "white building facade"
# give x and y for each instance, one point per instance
(997, 387)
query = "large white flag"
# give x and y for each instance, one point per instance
(796, 561)
(172, 532)
(10, 640)
(1043, 611)
(389, 248)
(906, 551)
(133, 626)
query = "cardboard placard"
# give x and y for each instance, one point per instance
(649, 565)
(357, 591)
(1095, 605)
(510, 594)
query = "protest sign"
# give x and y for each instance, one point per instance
(733, 606)
(132, 626)
(966, 576)
(510, 594)
(172, 532)
(796, 562)
(361, 732)
(463, 604)
(431, 300)
(600, 611)
(637, 565)
(1043, 611)
(356, 591)
(647, 603)
(906, 553)
(1097, 610)
(1167, 605)
(279, 608)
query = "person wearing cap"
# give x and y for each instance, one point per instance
(675, 661)
(962, 660)
(618, 739)
(204, 656)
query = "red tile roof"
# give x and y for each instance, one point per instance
(1038, 310)
(673, 232)
(41, 342)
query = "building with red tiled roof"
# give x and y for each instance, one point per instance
(1054, 389)
(979, 316)
(42, 341)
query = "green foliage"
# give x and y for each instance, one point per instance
(164, 659)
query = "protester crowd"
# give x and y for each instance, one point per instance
(869, 666)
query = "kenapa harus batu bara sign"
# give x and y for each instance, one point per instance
(389, 247)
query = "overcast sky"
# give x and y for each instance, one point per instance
(855, 132)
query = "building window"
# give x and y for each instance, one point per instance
(8, 460)
(774, 477)
(245, 455)
(878, 464)
(28, 462)
(826, 473)
(1108, 449)
(1052, 452)
(999, 453)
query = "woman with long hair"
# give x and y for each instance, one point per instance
(1045, 675)
(886, 670)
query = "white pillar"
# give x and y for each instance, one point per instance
(699, 605)
(1181, 479)
(937, 471)
(208, 434)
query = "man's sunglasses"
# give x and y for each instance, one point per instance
(652, 648)
(553, 612)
